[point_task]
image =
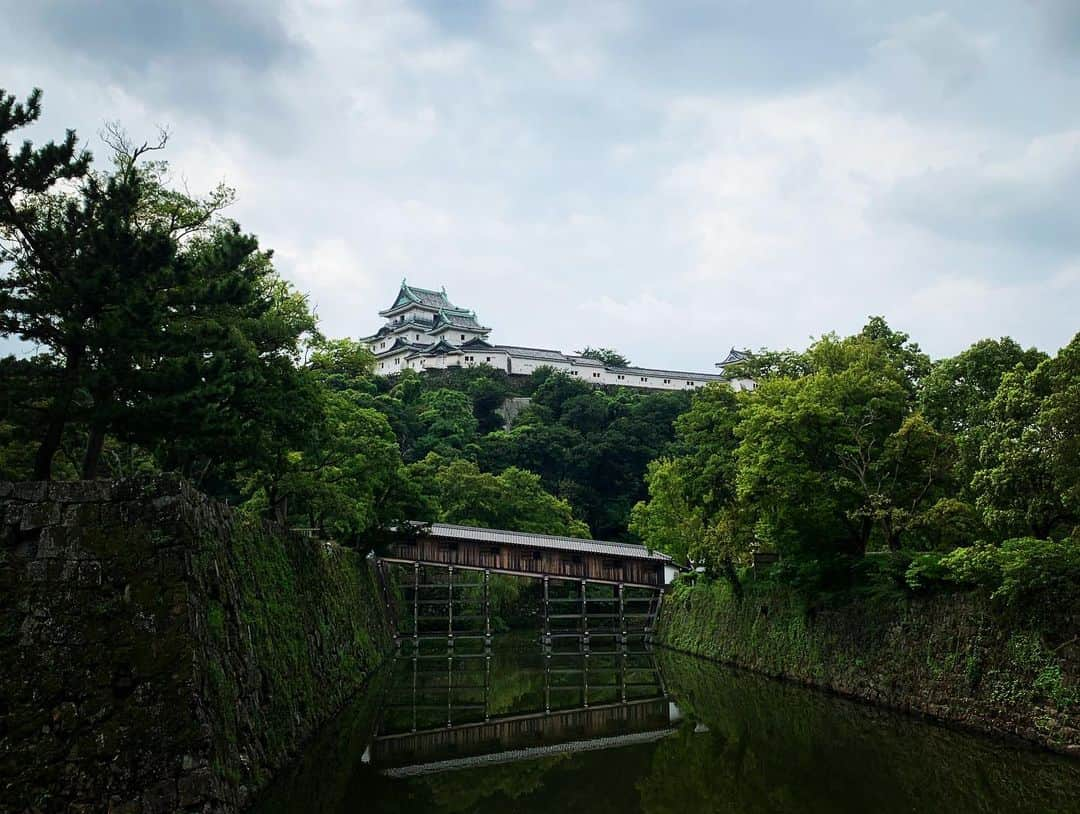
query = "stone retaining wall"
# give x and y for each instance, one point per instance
(160, 653)
(952, 657)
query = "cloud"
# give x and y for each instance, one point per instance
(1061, 19)
(1027, 199)
(669, 179)
(937, 47)
(135, 38)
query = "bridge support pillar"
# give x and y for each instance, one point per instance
(622, 615)
(584, 616)
(416, 605)
(545, 636)
(487, 609)
(450, 608)
(654, 615)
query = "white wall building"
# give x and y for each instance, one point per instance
(424, 330)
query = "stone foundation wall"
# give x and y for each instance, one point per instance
(160, 653)
(951, 657)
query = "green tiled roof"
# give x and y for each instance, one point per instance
(410, 294)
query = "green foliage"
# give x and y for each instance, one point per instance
(161, 324)
(1023, 573)
(610, 357)
(956, 396)
(1039, 572)
(827, 459)
(456, 491)
(977, 566)
(446, 421)
(590, 447)
(764, 364)
(330, 461)
(926, 571)
(1029, 458)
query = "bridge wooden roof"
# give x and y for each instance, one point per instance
(531, 753)
(448, 531)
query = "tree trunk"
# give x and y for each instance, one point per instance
(92, 456)
(103, 400)
(732, 577)
(58, 416)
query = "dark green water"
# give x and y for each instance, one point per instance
(649, 732)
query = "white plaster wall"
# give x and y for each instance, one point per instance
(480, 356)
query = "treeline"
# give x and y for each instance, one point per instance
(589, 446)
(868, 467)
(157, 335)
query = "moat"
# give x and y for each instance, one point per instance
(649, 730)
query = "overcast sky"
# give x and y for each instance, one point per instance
(668, 178)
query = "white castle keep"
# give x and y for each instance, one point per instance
(425, 331)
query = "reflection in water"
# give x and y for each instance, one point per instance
(522, 731)
(455, 711)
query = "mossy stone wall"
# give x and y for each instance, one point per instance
(952, 657)
(159, 653)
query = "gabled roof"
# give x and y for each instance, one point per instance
(447, 319)
(476, 342)
(401, 344)
(436, 349)
(414, 295)
(533, 353)
(448, 531)
(733, 357)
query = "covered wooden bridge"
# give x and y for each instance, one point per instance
(590, 587)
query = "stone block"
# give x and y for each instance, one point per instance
(31, 490)
(79, 491)
(52, 542)
(39, 515)
(11, 513)
(173, 563)
(196, 787)
(118, 806)
(111, 515)
(69, 491)
(81, 515)
(160, 798)
(90, 573)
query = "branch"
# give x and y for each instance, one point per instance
(124, 148)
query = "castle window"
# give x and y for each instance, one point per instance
(463, 336)
(489, 358)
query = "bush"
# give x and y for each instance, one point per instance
(1024, 572)
(1039, 572)
(975, 566)
(926, 572)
